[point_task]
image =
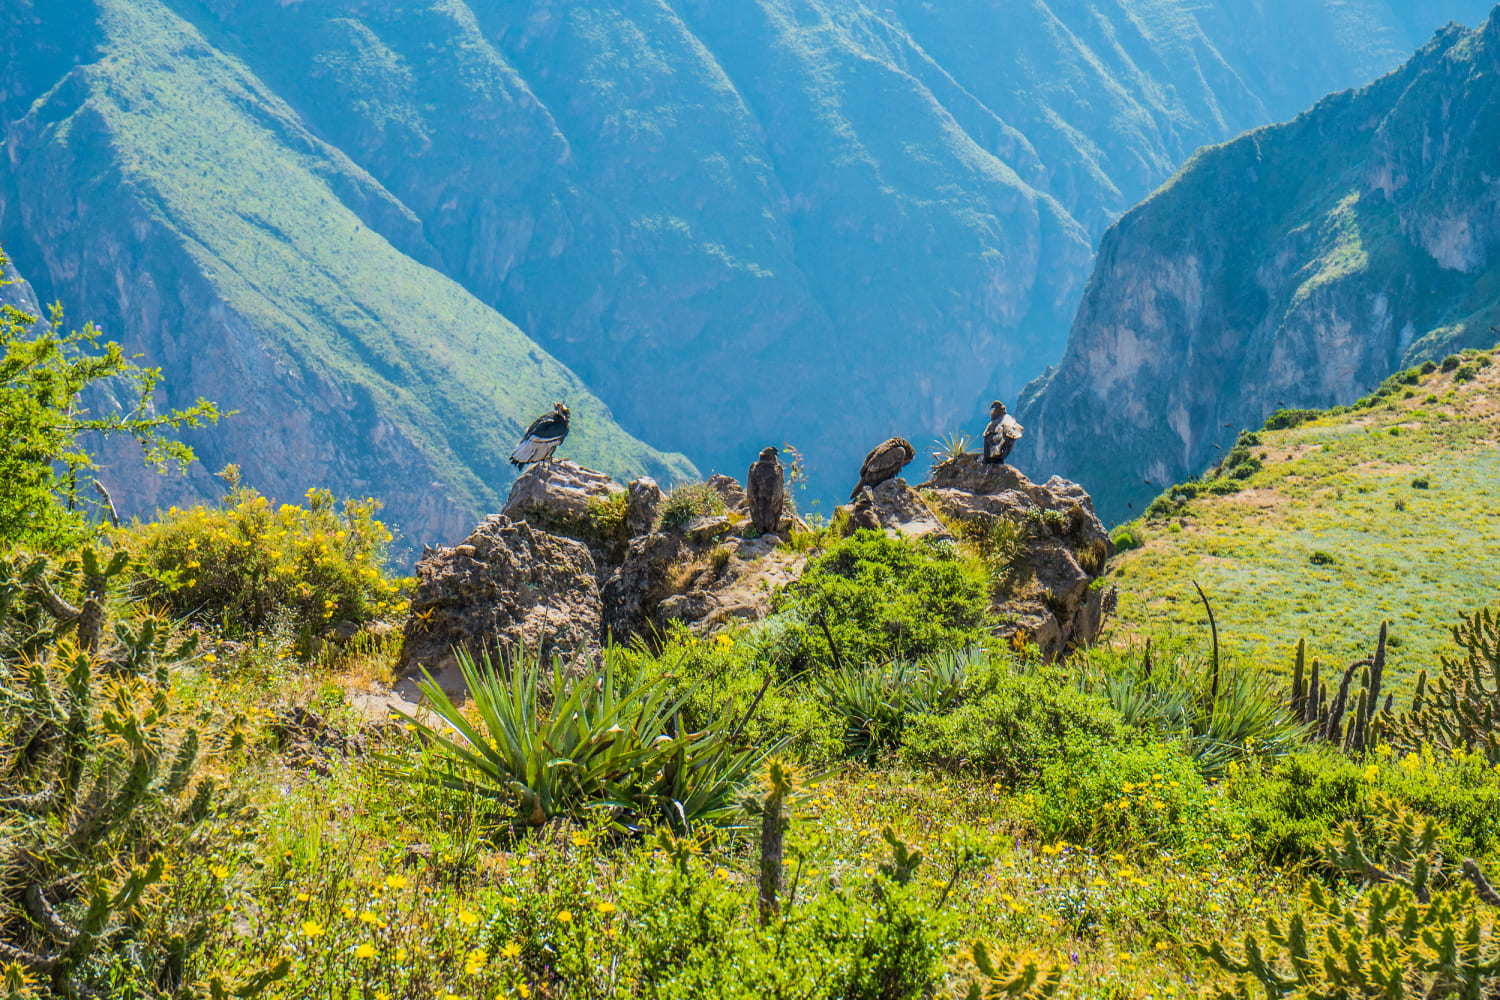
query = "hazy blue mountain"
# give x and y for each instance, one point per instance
(738, 223)
(1298, 265)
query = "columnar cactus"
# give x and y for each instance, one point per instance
(1460, 708)
(1311, 704)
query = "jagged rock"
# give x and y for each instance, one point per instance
(508, 586)
(556, 497)
(630, 592)
(966, 489)
(862, 515)
(895, 506)
(1057, 608)
(643, 506)
(691, 607)
(729, 490)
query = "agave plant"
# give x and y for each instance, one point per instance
(556, 742)
(875, 701)
(951, 446)
(1221, 714)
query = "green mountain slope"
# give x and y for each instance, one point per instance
(821, 221)
(1387, 511)
(1297, 265)
(193, 212)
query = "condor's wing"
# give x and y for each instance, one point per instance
(1010, 428)
(550, 427)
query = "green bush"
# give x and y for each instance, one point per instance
(1126, 538)
(240, 565)
(885, 597)
(1123, 797)
(1292, 808)
(1285, 419)
(696, 938)
(1023, 725)
(687, 501)
(1466, 372)
(727, 674)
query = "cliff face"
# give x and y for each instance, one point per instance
(815, 221)
(1298, 265)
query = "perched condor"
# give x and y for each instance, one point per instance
(765, 487)
(1001, 435)
(542, 437)
(885, 462)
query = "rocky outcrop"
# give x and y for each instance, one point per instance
(511, 584)
(1050, 597)
(507, 587)
(560, 497)
(1297, 266)
(897, 508)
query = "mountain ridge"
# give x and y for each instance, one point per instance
(813, 222)
(1297, 265)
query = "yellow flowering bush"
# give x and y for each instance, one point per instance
(244, 563)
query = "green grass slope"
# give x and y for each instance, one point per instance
(1389, 511)
(273, 275)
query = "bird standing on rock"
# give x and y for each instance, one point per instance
(765, 488)
(1001, 435)
(542, 437)
(885, 462)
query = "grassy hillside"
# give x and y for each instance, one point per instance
(270, 273)
(1383, 511)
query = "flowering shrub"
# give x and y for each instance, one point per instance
(1128, 797)
(245, 562)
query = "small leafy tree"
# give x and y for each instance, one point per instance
(44, 373)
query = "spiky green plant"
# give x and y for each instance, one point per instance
(560, 739)
(950, 447)
(1399, 937)
(875, 700)
(1460, 708)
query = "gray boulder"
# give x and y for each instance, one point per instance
(558, 497)
(632, 591)
(643, 507)
(507, 587)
